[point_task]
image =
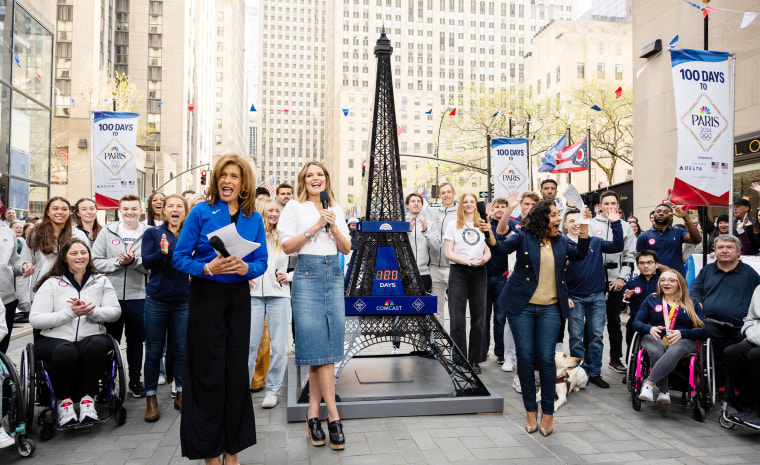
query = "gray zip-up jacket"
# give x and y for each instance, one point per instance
(10, 265)
(43, 262)
(617, 265)
(438, 218)
(128, 281)
(419, 241)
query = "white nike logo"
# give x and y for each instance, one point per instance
(215, 212)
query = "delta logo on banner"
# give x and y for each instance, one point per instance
(114, 169)
(701, 89)
(572, 158)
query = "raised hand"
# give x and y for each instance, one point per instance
(164, 244)
(613, 214)
(513, 201)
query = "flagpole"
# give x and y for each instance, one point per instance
(569, 143)
(588, 144)
(437, 143)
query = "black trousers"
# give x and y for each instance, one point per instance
(217, 412)
(10, 315)
(742, 362)
(131, 322)
(74, 367)
(721, 337)
(614, 304)
(467, 284)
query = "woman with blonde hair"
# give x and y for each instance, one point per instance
(270, 299)
(217, 412)
(317, 234)
(671, 325)
(465, 248)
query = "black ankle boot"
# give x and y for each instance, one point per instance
(337, 440)
(314, 432)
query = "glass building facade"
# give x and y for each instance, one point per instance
(26, 72)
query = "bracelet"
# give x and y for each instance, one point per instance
(207, 269)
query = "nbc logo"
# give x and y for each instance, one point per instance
(511, 172)
(114, 149)
(704, 110)
(389, 303)
(386, 227)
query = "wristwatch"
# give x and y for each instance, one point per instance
(309, 235)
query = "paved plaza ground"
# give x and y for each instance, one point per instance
(596, 426)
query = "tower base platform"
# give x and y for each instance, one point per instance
(379, 386)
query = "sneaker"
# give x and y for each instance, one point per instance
(508, 366)
(174, 390)
(646, 393)
(663, 398)
(87, 413)
(270, 401)
(599, 381)
(161, 379)
(394, 351)
(66, 413)
(5, 439)
(617, 366)
(516, 384)
(137, 389)
(500, 359)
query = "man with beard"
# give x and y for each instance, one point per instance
(667, 241)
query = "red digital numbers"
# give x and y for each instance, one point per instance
(386, 275)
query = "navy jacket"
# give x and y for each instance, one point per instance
(641, 290)
(587, 277)
(193, 250)
(165, 282)
(497, 265)
(523, 280)
(650, 314)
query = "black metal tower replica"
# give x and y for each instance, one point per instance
(383, 285)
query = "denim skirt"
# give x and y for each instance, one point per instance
(319, 314)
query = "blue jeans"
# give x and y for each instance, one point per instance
(591, 310)
(162, 318)
(277, 311)
(535, 330)
(495, 286)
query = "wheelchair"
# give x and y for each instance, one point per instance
(40, 391)
(15, 406)
(694, 376)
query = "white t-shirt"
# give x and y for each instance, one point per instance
(297, 217)
(129, 237)
(469, 242)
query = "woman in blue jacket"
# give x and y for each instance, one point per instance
(671, 325)
(217, 412)
(165, 303)
(536, 299)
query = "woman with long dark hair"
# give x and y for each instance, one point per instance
(217, 412)
(317, 234)
(536, 299)
(73, 301)
(153, 212)
(86, 218)
(165, 303)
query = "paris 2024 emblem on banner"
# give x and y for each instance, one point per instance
(114, 169)
(510, 166)
(701, 88)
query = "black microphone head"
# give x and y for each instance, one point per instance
(218, 245)
(324, 197)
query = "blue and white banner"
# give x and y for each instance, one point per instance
(114, 151)
(703, 120)
(510, 166)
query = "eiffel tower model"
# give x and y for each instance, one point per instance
(385, 297)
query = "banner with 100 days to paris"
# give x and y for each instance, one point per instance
(510, 166)
(114, 145)
(703, 121)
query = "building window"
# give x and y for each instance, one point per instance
(557, 74)
(350, 163)
(581, 67)
(600, 70)
(619, 72)
(350, 180)
(218, 141)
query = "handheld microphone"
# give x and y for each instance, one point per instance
(324, 197)
(218, 245)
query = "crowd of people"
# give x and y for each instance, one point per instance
(527, 269)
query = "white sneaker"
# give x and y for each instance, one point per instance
(664, 398)
(161, 379)
(173, 393)
(270, 401)
(87, 413)
(516, 384)
(646, 393)
(508, 366)
(5, 439)
(394, 351)
(66, 413)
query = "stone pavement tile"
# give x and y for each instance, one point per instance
(454, 450)
(101, 444)
(146, 449)
(478, 442)
(324, 455)
(533, 443)
(454, 432)
(356, 444)
(362, 426)
(541, 461)
(659, 462)
(501, 453)
(662, 453)
(688, 448)
(374, 459)
(137, 462)
(409, 451)
(184, 461)
(435, 457)
(623, 446)
(254, 454)
(298, 449)
(381, 442)
(163, 455)
(503, 436)
(724, 460)
(399, 431)
(612, 430)
(571, 440)
(615, 457)
(423, 440)
(735, 450)
(70, 458)
(276, 456)
(114, 457)
(565, 454)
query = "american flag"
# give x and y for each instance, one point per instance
(724, 166)
(714, 165)
(269, 184)
(399, 130)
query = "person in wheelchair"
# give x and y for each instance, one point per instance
(73, 301)
(743, 367)
(671, 325)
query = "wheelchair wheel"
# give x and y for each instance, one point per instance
(26, 447)
(635, 401)
(725, 422)
(699, 413)
(117, 385)
(707, 378)
(27, 376)
(631, 364)
(120, 415)
(47, 431)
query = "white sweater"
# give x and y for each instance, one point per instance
(751, 328)
(266, 285)
(52, 313)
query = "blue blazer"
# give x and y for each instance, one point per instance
(523, 280)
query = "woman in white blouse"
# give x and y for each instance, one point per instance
(317, 234)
